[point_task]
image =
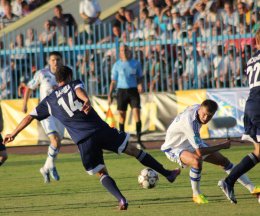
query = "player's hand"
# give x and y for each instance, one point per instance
(86, 107)
(8, 138)
(226, 144)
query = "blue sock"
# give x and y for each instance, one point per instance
(247, 163)
(111, 187)
(147, 160)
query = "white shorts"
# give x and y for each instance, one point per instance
(173, 154)
(52, 125)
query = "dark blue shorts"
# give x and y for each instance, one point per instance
(91, 150)
(252, 121)
(2, 147)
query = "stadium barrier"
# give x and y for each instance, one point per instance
(169, 62)
(158, 110)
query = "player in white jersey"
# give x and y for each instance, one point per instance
(184, 146)
(45, 80)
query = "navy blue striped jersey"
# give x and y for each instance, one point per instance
(64, 105)
(253, 73)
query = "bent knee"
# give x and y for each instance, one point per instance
(197, 162)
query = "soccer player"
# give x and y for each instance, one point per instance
(3, 153)
(252, 127)
(45, 80)
(184, 146)
(127, 77)
(70, 104)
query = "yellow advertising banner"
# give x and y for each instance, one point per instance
(12, 115)
(191, 97)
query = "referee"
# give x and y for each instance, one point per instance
(127, 78)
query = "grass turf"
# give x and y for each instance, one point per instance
(23, 191)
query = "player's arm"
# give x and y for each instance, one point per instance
(111, 89)
(211, 149)
(32, 84)
(81, 94)
(23, 124)
(140, 78)
(26, 98)
(114, 77)
(191, 131)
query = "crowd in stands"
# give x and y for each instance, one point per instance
(11, 11)
(187, 33)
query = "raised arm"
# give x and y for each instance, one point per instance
(23, 124)
(81, 94)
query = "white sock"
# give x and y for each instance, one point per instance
(243, 179)
(50, 161)
(195, 175)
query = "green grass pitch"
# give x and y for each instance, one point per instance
(23, 192)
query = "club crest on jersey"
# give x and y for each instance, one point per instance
(64, 90)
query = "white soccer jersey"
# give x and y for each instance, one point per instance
(183, 133)
(45, 80)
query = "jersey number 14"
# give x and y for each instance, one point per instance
(72, 106)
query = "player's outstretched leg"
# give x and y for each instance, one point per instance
(110, 185)
(147, 160)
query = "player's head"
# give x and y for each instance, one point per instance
(63, 74)
(207, 110)
(257, 38)
(55, 61)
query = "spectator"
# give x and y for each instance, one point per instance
(151, 6)
(17, 7)
(65, 23)
(142, 6)
(218, 65)
(31, 38)
(9, 79)
(176, 16)
(48, 35)
(25, 8)
(9, 17)
(130, 18)
(255, 20)
(144, 14)
(232, 68)
(178, 70)
(2, 6)
(184, 6)
(230, 17)
(149, 31)
(120, 15)
(90, 11)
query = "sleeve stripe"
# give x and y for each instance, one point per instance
(49, 108)
(79, 86)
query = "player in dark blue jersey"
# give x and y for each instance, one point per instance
(252, 127)
(3, 153)
(70, 104)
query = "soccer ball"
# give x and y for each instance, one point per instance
(148, 178)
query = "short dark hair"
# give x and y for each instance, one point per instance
(63, 73)
(58, 7)
(211, 105)
(55, 53)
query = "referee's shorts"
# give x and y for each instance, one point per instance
(128, 96)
